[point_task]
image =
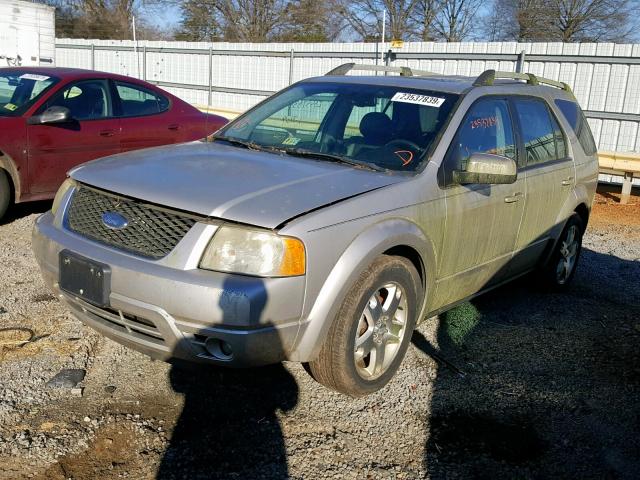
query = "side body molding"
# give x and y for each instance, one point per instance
(355, 259)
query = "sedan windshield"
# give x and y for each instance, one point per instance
(369, 126)
(20, 89)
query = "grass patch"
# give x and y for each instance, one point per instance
(460, 322)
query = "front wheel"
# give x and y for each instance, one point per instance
(371, 333)
(5, 193)
(561, 267)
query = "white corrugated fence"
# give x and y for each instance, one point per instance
(605, 77)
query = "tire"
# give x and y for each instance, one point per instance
(353, 370)
(5, 193)
(560, 269)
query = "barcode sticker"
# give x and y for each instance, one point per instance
(418, 99)
(33, 76)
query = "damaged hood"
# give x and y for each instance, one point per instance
(236, 184)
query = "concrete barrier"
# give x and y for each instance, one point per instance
(617, 163)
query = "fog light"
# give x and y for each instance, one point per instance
(218, 348)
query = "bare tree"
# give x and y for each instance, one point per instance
(365, 18)
(457, 19)
(252, 20)
(595, 20)
(563, 20)
(424, 15)
(103, 19)
(521, 20)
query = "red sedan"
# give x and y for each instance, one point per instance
(52, 119)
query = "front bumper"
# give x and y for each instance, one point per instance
(168, 308)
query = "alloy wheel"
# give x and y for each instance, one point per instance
(568, 255)
(381, 330)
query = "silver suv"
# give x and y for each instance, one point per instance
(322, 224)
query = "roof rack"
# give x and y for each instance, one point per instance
(403, 71)
(487, 78)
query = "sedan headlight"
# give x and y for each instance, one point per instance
(254, 252)
(67, 185)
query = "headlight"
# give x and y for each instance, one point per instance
(254, 252)
(64, 188)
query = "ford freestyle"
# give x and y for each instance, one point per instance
(325, 222)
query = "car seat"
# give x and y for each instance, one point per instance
(376, 130)
(89, 104)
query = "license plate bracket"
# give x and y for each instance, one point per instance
(84, 278)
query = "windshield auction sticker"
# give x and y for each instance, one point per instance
(33, 76)
(418, 99)
(11, 106)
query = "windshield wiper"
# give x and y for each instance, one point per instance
(333, 158)
(240, 143)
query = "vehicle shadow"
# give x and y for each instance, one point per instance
(229, 426)
(21, 210)
(540, 385)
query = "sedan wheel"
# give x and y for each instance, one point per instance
(5, 193)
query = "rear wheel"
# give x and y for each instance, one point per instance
(5, 193)
(370, 335)
(561, 267)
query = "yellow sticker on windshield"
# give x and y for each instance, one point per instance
(10, 106)
(290, 141)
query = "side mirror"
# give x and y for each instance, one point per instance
(51, 115)
(485, 168)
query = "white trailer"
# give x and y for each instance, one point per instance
(27, 33)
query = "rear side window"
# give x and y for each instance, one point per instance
(137, 101)
(542, 137)
(575, 116)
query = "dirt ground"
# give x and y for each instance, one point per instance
(528, 385)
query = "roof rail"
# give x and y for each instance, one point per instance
(487, 78)
(403, 71)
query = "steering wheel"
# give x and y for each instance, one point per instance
(403, 144)
(404, 150)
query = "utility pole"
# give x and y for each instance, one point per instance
(135, 43)
(384, 24)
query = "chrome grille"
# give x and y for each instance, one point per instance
(150, 232)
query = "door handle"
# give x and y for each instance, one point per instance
(174, 127)
(567, 182)
(513, 198)
(107, 133)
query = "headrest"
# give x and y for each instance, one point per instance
(376, 125)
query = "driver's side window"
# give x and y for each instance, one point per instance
(486, 128)
(87, 100)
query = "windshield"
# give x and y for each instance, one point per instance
(383, 127)
(20, 89)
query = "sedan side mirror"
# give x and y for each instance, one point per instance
(485, 168)
(51, 115)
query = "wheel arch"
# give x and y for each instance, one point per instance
(389, 237)
(583, 211)
(413, 256)
(7, 165)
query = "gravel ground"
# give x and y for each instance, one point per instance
(528, 385)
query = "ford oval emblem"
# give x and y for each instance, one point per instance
(114, 220)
